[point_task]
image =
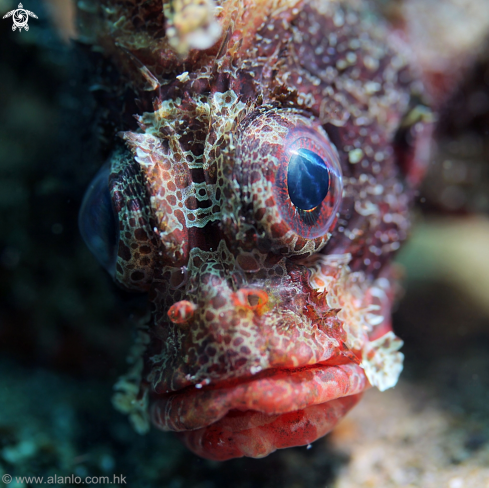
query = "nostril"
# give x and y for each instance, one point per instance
(250, 298)
(181, 312)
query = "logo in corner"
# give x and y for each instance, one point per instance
(20, 16)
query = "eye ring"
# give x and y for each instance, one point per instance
(319, 209)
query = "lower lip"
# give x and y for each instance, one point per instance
(278, 409)
(256, 435)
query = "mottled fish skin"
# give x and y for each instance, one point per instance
(243, 285)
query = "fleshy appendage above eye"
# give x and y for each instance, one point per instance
(291, 176)
(308, 185)
(98, 221)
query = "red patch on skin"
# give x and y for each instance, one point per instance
(181, 312)
(250, 299)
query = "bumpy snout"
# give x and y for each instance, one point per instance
(247, 343)
(232, 324)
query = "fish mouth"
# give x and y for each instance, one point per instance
(254, 416)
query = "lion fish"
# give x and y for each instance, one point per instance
(258, 203)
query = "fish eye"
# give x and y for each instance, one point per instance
(291, 175)
(98, 222)
(308, 186)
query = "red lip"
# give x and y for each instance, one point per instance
(271, 410)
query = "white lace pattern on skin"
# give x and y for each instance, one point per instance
(361, 303)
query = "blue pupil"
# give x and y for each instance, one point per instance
(307, 179)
